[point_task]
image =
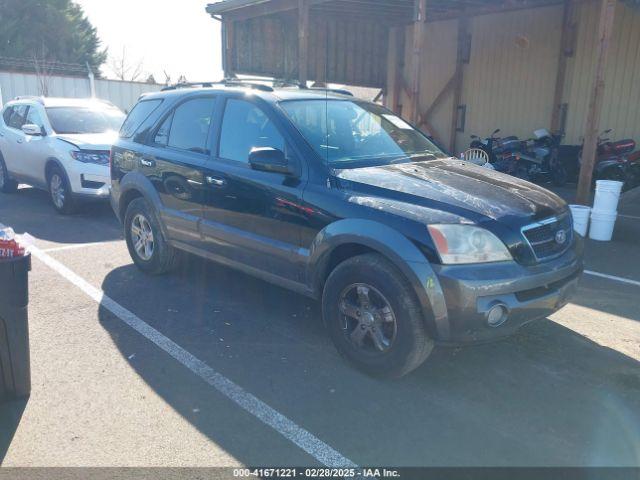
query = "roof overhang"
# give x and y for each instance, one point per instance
(387, 11)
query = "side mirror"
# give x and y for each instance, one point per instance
(32, 129)
(269, 159)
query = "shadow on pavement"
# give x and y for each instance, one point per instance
(30, 210)
(10, 415)
(547, 396)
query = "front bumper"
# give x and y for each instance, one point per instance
(527, 293)
(89, 181)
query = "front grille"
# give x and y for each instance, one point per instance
(543, 236)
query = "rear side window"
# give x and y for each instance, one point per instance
(6, 116)
(137, 116)
(189, 129)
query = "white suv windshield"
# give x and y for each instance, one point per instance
(74, 120)
(351, 132)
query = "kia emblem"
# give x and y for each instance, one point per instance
(561, 237)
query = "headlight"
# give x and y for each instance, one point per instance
(467, 244)
(97, 157)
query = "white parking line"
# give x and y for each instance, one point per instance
(613, 277)
(71, 247)
(256, 407)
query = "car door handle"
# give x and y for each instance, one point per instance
(147, 162)
(216, 182)
(19, 140)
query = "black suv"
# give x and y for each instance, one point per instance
(343, 201)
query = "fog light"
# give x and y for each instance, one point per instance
(497, 315)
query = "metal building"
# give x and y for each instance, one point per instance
(456, 67)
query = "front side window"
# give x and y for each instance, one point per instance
(190, 125)
(244, 127)
(350, 133)
(79, 120)
(18, 116)
(34, 117)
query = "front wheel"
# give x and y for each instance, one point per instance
(373, 317)
(7, 185)
(559, 175)
(60, 191)
(149, 250)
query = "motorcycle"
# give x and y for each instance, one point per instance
(611, 158)
(495, 147)
(539, 158)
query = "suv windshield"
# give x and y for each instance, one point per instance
(349, 133)
(72, 120)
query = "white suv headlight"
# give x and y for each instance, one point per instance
(467, 244)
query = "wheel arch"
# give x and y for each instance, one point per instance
(135, 185)
(49, 165)
(350, 237)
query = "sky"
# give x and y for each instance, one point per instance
(178, 37)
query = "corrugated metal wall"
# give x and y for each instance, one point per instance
(340, 51)
(122, 94)
(621, 105)
(510, 78)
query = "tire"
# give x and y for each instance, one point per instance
(7, 185)
(559, 175)
(60, 191)
(407, 342)
(161, 257)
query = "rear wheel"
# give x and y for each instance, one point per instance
(149, 250)
(60, 191)
(558, 174)
(7, 185)
(373, 317)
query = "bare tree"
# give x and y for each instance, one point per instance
(125, 68)
(44, 70)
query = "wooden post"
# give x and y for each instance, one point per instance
(419, 27)
(227, 39)
(395, 65)
(303, 40)
(458, 79)
(566, 50)
(607, 11)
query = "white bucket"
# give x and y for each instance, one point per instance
(602, 224)
(607, 196)
(580, 215)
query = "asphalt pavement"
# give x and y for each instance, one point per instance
(210, 367)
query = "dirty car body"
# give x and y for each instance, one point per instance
(294, 226)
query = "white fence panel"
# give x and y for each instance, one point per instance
(123, 94)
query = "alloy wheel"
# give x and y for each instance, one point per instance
(142, 237)
(58, 192)
(368, 321)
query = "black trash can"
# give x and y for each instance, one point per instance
(15, 367)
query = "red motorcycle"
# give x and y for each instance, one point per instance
(612, 161)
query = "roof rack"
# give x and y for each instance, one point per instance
(233, 82)
(251, 82)
(30, 97)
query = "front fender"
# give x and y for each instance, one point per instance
(135, 181)
(395, 247)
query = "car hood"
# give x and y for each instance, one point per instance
(450, 191)
(90, 141)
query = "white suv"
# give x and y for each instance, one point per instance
(60, 145)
